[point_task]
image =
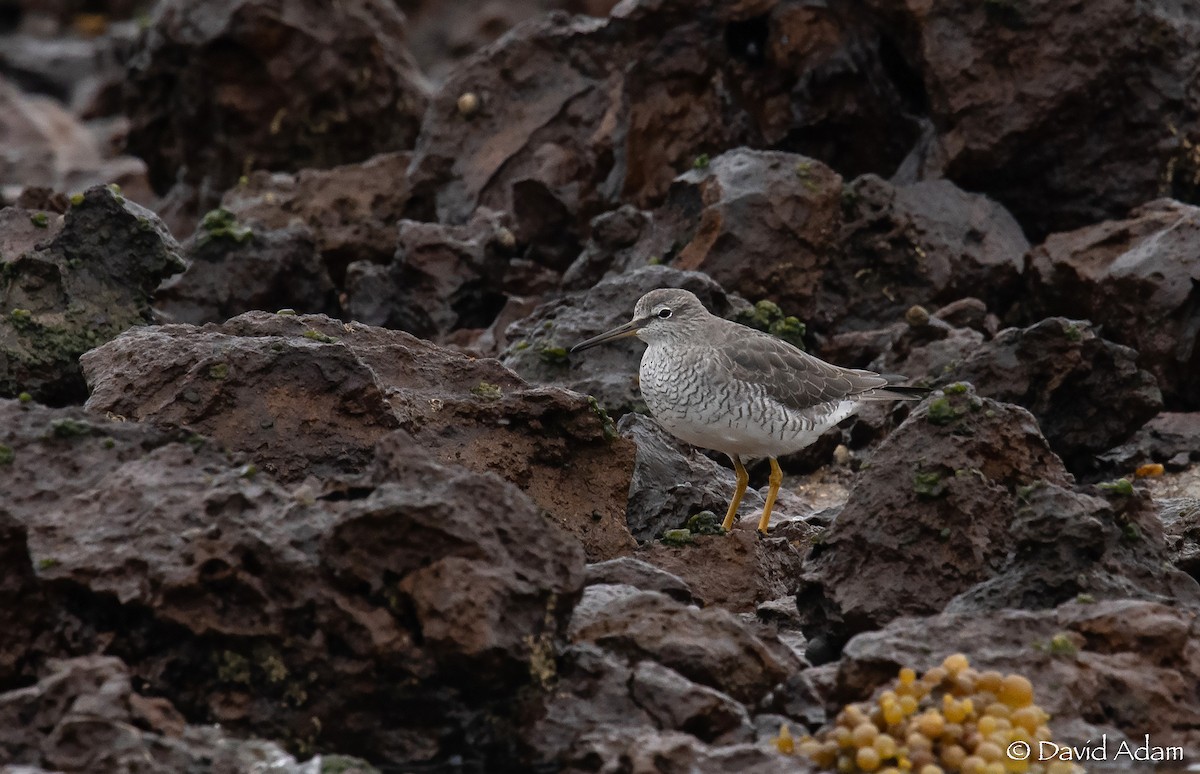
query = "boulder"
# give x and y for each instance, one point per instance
(85, 280)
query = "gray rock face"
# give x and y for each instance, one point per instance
(672, 481)
(76, 287)
(1137, 277)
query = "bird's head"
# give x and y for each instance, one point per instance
(666, 314)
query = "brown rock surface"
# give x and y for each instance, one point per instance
(1042, 107)
(1139, 278)
(307, 395)
(218, 89)
(387, 611)
(351, 209)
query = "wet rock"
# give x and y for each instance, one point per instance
(768, 222)
(627, 570)
(307, 395)
(233, 269)
(82, 715)
(351, 209)
(1126, 665)
(1137, 278)
(1043, 141)
(216, 90)
(86, 282)
(1087, 392)
(539, 343)
(442, 278)
(45, 145)
(671, 481)
(985, 520)
(1180, 517)
(928, 243)
(710, 647)
(259, 608)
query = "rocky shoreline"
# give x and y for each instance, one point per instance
(297, 474)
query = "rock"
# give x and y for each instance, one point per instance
(442, 36)
(87, 281)
(621, 241)
(931, 519)
(443, 278)
(1134, 658)
(22, 612)
(307, 395)
(539, 343)
(257, 607)
(45, 145)
(234, 269)
(82, 72)
(645, 751)
(768, 222)
(82, 715)
(710, 647)
(1180, 518)
(739, 570)
(216, 90)
(627, 570)
(672, 481)
(928, 243)
(573, 113)
(1087, 392)
(351, 209)
(989, 522)
(1046, 142)
(285, 389)
(1137, 278)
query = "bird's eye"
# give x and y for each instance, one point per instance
(664, 313)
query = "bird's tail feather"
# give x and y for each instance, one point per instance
(897, 392)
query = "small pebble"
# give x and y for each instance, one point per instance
(917, 316)
(468, 104)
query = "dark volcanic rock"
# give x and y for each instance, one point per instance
(83, 715)
(629, 571)
(710, 647)
(234, 269)
(928, 243)
(979, 516)
(442, 278)
(582, 115)
(671, 481)
(423, 597)
(218, 89)
(312, 396)
(86, 282)
(1044, 138)
(1087, 392)
(1140, 279)
(1121, 664)
(540, 342)
(352, 209)
(767, 223)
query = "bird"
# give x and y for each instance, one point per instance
(721, 385)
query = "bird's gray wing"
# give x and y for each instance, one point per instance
(789, 375)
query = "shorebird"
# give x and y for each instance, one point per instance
(717, 384)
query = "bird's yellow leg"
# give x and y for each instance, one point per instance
(776, 479)
(743, 478)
